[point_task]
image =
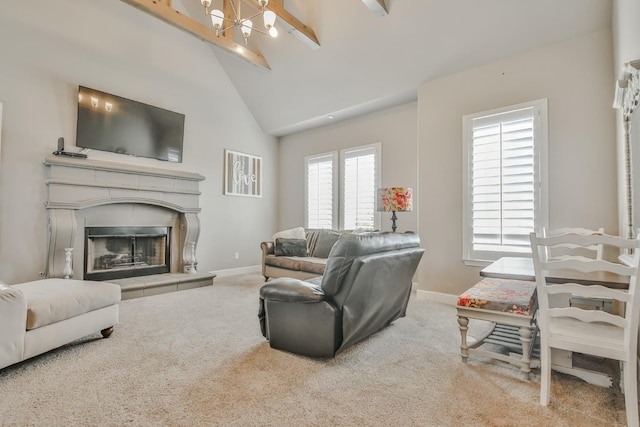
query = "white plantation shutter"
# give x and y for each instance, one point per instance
(320, 171)
(357, 177)
(359, 182)
(504, 201)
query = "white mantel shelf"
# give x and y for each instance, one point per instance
(120, 167)
(81, 183)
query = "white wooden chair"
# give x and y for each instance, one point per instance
(566, 250)
(592, 332)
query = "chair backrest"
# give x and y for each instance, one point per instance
(565, 250)
(549, 289)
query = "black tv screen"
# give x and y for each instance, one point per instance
(111, 123)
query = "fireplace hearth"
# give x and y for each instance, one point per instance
(120, 252)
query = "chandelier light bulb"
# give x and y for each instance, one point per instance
(246, 26)
(223, 22)
(269, 19)
(217, 17)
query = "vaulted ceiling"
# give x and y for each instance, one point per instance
(367, 62)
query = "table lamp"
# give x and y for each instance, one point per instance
(395, 199)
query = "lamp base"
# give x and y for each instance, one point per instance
(393, 221)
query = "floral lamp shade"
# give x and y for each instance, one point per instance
(398, 199)
(395, 199)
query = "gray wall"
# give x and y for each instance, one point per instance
(48, 50)
(575, 76)
(394, 128)
(577, 79)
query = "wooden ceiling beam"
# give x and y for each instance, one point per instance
(378, 7)
(162, 10)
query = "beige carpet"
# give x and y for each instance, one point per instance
(197, 358)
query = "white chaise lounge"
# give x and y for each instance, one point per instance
(38, 316)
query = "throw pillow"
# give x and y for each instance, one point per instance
(293, 233)
(290, 247)
(326, 240)
(312, 239)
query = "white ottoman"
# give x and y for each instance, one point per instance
(39, 316)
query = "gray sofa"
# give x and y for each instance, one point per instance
(309, 262)
(366, 285)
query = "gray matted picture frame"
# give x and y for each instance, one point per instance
(242, 174)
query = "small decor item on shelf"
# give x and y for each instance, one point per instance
(68, 270)
(192, 259)
(395, 199)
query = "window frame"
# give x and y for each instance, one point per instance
(540, 179)
(334, 197)
(377, 151)
(338, 158)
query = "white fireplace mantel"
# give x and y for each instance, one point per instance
(74, 184)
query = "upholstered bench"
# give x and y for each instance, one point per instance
(511, 305)
(38, 316)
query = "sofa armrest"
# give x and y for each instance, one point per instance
(268, 248)
(286, 289)
(13, 325)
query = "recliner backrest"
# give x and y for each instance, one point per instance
(351, 246)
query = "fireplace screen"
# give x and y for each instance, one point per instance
(118, 252)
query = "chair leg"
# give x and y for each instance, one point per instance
(631, 392)
(545, 374)
(464, 349)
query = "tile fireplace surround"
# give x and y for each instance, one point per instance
(92, 193)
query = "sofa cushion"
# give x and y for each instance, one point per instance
(308, 264)
(313, 265)
(326, 240)
(290, 247)
(293, 233)
(53, 300)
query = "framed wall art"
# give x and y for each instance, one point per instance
(242, 174)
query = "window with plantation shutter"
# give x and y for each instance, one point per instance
(343, 195)
(360, 179)
(320, 199)
(505, 197)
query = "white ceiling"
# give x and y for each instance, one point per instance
(367, 62)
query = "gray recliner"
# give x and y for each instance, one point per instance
(366, 286)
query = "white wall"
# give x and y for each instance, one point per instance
(48, 50)
(394, 128)
(577, 79)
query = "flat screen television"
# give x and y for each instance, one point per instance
(111, 123)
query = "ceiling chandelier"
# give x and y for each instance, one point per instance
(222, 24)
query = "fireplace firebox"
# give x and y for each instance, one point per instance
(119, 252)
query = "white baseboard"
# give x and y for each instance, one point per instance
(437, 297)
(237, 271)
(422, 294)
